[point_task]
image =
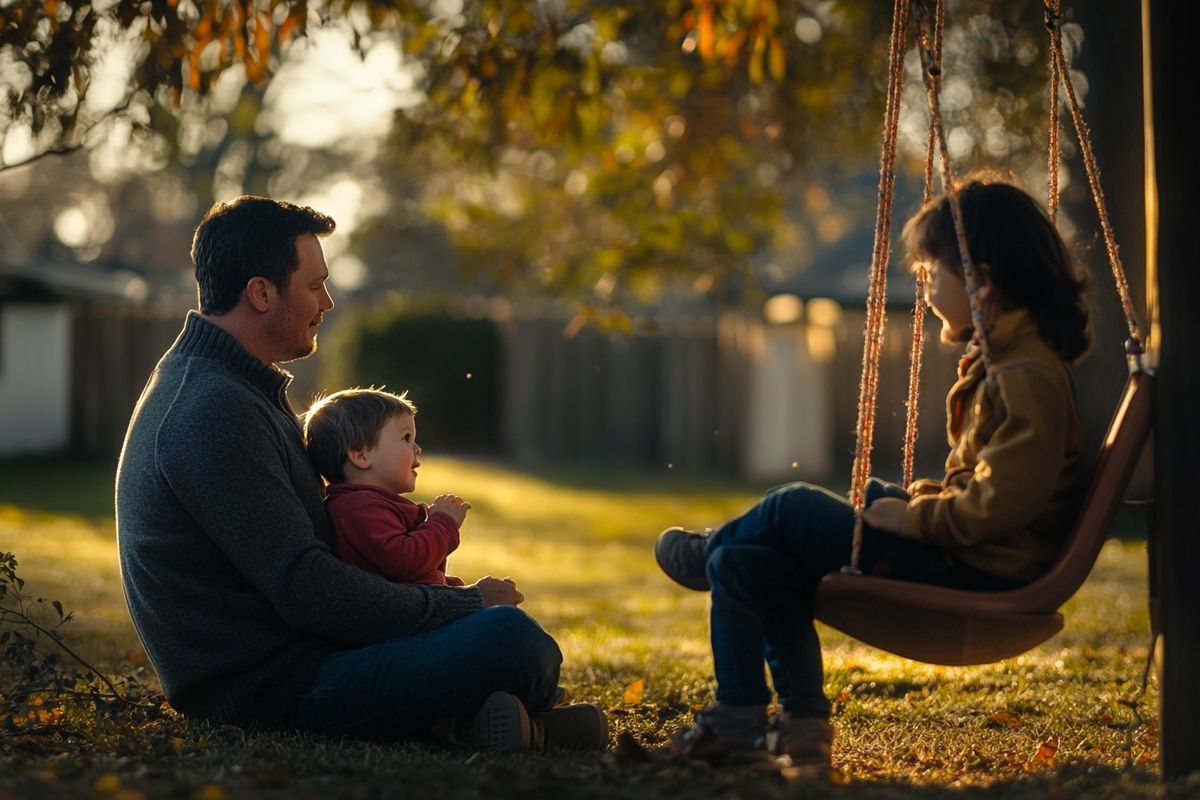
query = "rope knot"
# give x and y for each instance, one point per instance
(1051, 15)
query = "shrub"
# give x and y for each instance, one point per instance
(449, 365)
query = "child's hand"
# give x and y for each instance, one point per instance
(499, 591)
(453, 505)
(888, 514)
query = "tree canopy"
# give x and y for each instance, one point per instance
(608, 148)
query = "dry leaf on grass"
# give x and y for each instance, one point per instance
(1004, 718)
(634, 692)
(1045, 754)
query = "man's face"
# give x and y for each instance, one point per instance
(293, 320)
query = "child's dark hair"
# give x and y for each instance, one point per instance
(1026, 259)
(348, 420)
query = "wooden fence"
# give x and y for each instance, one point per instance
(695, 394)
(115, 346)
(725, 392)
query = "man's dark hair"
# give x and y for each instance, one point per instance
(348, 420)
(247, 238)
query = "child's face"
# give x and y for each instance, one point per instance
(395, 457)
(946, 294)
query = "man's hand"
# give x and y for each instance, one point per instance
(453, 505)
(888, 514)
(499, 591)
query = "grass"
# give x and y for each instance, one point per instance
(1051, 722)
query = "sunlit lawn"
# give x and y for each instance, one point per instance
(578, 544)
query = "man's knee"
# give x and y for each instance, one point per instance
(509, 630)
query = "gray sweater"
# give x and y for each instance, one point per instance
(225, 544)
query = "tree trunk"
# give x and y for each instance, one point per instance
(1177, 546)
(1110, 58)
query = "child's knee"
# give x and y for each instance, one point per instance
(877, 488)
(728, 566)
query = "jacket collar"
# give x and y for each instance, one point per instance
(1004, 335)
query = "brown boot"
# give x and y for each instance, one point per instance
(801, 741)
(703, 742)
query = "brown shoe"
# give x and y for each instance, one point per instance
(683, 555)
(578, 726)
(801, 741)
(500, 726)
(701, 742)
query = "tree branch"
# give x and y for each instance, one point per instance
(67, 149)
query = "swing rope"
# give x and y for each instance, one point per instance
(929, 46)
(1053, 146)
(925, 46)
(868, 390)
(1061, 71)
(877, 287)
(921, 279)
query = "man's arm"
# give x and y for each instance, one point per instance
(228, 468)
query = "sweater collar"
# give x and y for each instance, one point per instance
(203, 339)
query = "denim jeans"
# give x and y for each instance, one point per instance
(402, 688)
(764, 568)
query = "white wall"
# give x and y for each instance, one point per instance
(35, 377)
(788, 414)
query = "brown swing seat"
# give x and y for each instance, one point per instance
(954, 627)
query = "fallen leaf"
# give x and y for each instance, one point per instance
(1045, 753)
(634, 692)
(1004, 718)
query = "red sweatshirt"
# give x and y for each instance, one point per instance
(381, 532)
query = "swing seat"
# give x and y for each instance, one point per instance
(954, 627)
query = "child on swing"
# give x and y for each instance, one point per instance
(994, 522)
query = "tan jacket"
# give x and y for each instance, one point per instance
(1013, 477)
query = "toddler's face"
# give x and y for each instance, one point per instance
(396, 456)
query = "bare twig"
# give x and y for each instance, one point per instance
(25, 619)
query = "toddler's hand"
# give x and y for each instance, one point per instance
(453, 505)
(887, 514)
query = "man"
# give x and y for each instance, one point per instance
(225, 545)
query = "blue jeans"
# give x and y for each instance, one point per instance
(764, 568)
(402, 688)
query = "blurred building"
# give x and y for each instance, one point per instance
(76, 344)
